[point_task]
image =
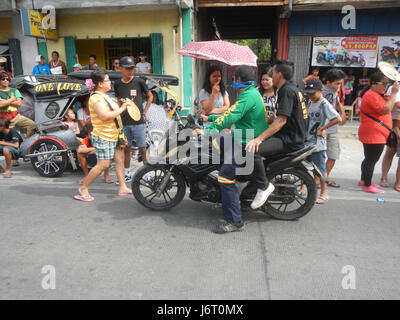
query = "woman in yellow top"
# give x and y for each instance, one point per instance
(104, 135)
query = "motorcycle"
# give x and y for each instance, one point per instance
(390, 53)
(161, 185)
(327, 55)
(350, 58)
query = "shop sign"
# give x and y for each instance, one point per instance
(389, 50)
(33, 26)
(345, 52)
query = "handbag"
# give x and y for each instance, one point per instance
(391, 141)
(122, 141)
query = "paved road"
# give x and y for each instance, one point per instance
(113, 248)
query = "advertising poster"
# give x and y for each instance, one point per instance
(354, 52)
(389, 50)
(32, 25)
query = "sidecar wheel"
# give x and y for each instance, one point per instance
(51, 165)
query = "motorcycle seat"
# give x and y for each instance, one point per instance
(300, 153)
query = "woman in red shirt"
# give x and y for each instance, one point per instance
(372, 134)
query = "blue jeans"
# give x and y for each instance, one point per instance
(15, 153)
(227, 179)
(135, 132)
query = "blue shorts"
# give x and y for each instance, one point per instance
(15, 153)
(319, 159)
(136, 132)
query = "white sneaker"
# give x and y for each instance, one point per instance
(128, 178)
(262, 196)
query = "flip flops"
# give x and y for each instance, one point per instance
(322, 199)
(7, 175)
(384, 183)
(333, 184)
(396, 188)
(361, 183)
(123, 194)
(85, 198)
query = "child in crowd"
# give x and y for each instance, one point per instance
(322, 116)
(69, 120)
(9, 145)
(86, 154)
(334, 81)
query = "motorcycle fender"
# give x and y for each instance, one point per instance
(311, 167)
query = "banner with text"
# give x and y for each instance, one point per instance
(345, 52)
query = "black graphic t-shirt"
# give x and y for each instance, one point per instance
(136, 90)
(291, 103)
(12, 136)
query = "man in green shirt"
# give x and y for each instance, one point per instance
(247, 113)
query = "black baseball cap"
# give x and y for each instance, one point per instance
(126, 62)
(313, 85)
(142, 54)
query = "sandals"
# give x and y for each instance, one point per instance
(384, 183)
(396, 188)
(85, 198)
(321, 199)
(7, 175)
(333, 184)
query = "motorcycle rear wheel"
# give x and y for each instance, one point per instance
(293, 196)
(145, 183)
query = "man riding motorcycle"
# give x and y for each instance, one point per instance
(247, 113)
(287, 132)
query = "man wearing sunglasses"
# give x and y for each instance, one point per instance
(10, 101)
(116, 65)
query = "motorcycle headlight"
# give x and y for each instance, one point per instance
(52, 110)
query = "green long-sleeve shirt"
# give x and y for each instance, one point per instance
(248, 112)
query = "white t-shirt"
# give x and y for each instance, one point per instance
(218, 102)
(80, 115)
(143, 67)
(396, 110)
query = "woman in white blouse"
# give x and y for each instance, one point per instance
(213, 97)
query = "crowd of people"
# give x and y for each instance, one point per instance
(284, 118)
(57, 66)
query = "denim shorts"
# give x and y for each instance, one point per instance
(104, 149)
(15, 153)
(319, 159)
(136, 132)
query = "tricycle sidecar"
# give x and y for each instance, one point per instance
(46, 100)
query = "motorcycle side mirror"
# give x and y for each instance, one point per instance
(190, 119)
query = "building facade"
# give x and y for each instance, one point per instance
(107, 29)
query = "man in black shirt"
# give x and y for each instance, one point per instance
(9, 145)
(136, 90)
(287, 132)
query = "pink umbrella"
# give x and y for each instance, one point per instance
(227, 52)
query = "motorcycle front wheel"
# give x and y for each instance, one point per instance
(294, 195)
(146, 182)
